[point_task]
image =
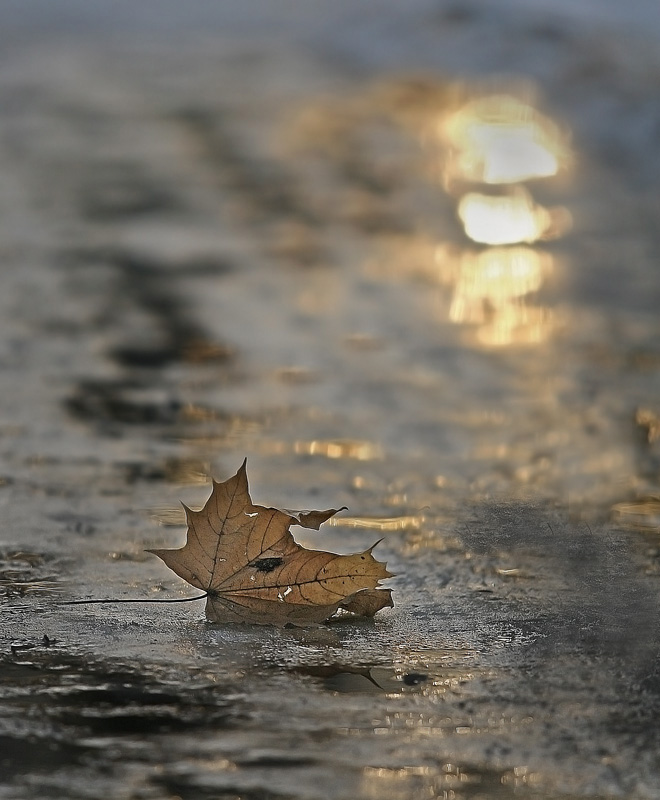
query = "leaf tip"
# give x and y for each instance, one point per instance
(241, 476)
(368, 552)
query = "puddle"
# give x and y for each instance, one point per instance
(332, 247)
(124, 402)
(25, 573)
(389, 679)
(115, 191)
(194, 787)
(111, 405)
(75, 712)
(361, 451)
(449, 781)
(642, 514)
(341, 678)
(21, 756)
(116, 709)
(183, 471)
(401, 523)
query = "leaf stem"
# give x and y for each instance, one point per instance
(89, 602)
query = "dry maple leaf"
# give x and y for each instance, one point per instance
(252, 569)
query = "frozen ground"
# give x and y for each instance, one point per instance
(234, 233)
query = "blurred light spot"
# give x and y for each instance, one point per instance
(199, 351)
(517, 323)
(168, 515)
(490, 289)
(396, 772)
(642, 514)
(494, 140)
(421, 781)
(509, 219)
(494, 277)
(650, 422)
(378, 523)
(363, 341)
(499, 139)
(511, 572)
(296, 375)
(339, 448)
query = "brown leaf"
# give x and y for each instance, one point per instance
(246, 559)
(312, 519)
(368, 602)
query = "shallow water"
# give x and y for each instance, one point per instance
(229, 244)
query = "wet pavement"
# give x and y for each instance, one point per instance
(403, 262)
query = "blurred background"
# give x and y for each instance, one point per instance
(402, 256)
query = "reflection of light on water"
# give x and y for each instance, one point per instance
(496, 276)
(508, 219)
(378, 523)
(517, 323)
(446, 780)
(339, 448)
(499, 139)
(490, 289)
(649, 422)
(642, 514)
(168, 515)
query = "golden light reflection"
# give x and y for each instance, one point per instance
(495, 277)
(649, 422)
(175, 515)
(339, 448)
(379, 523)
(642, 514)
(490, 291)
(448, 781)
(510, 218)
(168, 515)
(253, 438)
(517, 323)
(499, 139)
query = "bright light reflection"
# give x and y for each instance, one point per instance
(494, 277)
(379, 523)
(339, 448)
(490, 289)
(642, 514)
(421, 781)
(499, 139)
(517, 323)
(507, 219)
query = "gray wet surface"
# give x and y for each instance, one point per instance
(234, 233)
